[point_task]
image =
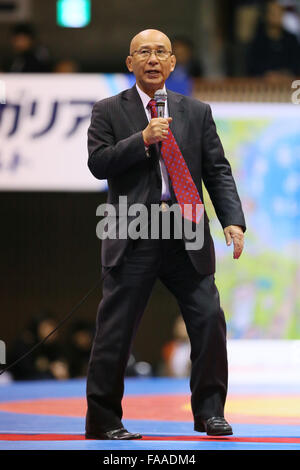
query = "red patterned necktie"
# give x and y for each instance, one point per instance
(184, 187)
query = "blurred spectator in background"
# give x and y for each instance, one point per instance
(176, 353)
(78, 346)
(27, 55)
(274, 52)
(245, 20)
(66, 66)
(187, 67)
(47, 361)
(236, 22)
(291, 16)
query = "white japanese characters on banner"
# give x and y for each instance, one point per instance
(43, 129)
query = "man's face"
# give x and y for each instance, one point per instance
(150, 72)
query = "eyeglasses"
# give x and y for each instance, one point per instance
(145, 54)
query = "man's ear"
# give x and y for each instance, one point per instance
(129, 63)
(173, 62)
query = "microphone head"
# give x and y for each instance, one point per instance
(160, 97)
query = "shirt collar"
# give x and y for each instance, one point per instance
(144, 97)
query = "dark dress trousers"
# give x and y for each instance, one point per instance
(117, 153)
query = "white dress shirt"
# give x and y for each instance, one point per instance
(165, 190)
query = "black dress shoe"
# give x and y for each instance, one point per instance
(115, 434)
(214, 426)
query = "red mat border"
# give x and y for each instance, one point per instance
(79, 437)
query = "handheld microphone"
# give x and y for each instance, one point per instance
(160, 96)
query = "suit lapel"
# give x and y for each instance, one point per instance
(137, 119)
(178, 112)
(134, 109)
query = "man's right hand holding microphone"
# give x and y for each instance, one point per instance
(156, 131)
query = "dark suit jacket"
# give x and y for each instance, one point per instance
(117, 153)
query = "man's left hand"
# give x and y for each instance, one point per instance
(235, 233)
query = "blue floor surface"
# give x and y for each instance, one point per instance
(23, 423)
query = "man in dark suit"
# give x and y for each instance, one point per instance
(126, 147)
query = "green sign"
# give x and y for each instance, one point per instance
(73, 13)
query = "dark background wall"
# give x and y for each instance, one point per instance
(103, 45)
(50, 257)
